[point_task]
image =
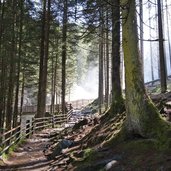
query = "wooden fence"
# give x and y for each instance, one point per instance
(13, 136)
(75, 104)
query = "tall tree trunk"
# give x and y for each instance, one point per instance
(55, 80)
(141, 35)
(22, 93)
(41, 106)
(18, 66)
(168, 31)
(163, 72)
(142, 117)
(52, 87)
(151, 53)
(46, 49)
(2, 68)
(117, 100)
(101, 62)
(64, 54)
(9, 107)
(100, 98)
(107, 61)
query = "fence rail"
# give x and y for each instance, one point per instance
(12, 137)
(57, 107)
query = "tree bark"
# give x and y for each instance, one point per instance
(54, 82)
(64, 54)
(101, 62)
(117, 100)
(163, 72)
(52, 87)
(142, 117)
(10, 94)
(107, 61)
(141, 35)
(22, 93)
(151, 51)
(168, 30)
(41, 106)
(18, 66)
(2, 68)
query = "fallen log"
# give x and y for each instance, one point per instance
(161, 97)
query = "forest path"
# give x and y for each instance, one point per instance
(29, 155)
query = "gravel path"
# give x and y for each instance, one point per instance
(29, 155)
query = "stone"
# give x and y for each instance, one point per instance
(80, 124)
(111, 164)
(58, 148)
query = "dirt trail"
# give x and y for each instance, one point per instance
(29, 155)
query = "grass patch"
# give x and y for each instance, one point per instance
(6, 155)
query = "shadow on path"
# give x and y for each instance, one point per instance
(29, 156)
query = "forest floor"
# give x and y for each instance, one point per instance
(94, 151)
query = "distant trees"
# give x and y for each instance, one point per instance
(14, 45)
(98, 19)
(20, 35)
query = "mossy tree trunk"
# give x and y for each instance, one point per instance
(142, 117)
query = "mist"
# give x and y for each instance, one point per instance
(88, 87)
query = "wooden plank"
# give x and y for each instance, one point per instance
(12, 130)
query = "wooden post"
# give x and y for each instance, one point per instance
(1, 138)
(169, 115)
(27, 128)
(18, 130)
(53, 124)
(33, 126)
(1, 135)
(8, 142)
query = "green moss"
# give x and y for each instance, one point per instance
(89, 154)
(12, 149)
(89, 157)
(115, 139)
(118, 106)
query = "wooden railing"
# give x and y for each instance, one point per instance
(69, 114)
(12, 137)
(57, 108)
(9, 138)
